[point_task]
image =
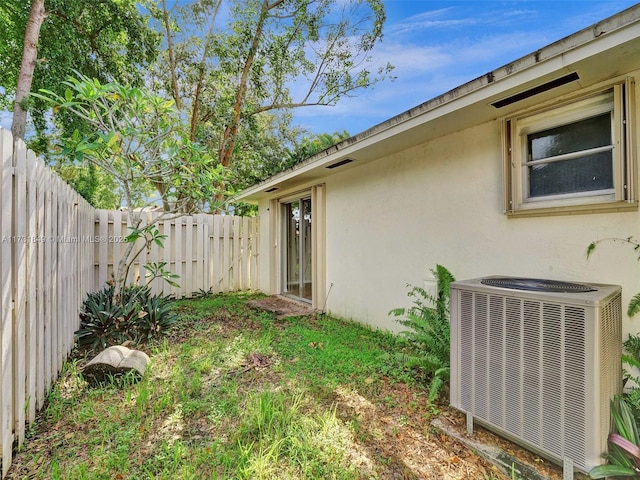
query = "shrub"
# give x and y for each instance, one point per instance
(631, 380)
(428, 337)
(624, 445)
(139, 316)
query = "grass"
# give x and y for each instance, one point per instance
(231, 393)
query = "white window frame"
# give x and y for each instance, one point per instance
(615, 99)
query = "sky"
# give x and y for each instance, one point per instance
(436, 46)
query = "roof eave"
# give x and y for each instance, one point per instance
(607, 33)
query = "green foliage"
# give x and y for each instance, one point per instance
(93, 184)
(138, 316)
(234, 80)
(631, 380)
(267, 152)
(309, 145)
(428, 337)
(263, 145)
(138, 138)
(624, 445)
(107, 40)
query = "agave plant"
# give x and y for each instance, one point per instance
(624, 449)
(159, 317)
(99, 321)
(138, 316)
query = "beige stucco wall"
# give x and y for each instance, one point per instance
(389, 221)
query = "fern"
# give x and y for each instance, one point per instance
(428, 332)
(634, 305)
(631, 362)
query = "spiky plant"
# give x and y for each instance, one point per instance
(624, 445)
(139, 316)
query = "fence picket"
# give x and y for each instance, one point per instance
(19, 280)
(101, 245)
(243, 257)
(226, 250)
(177, 264)
(55, 265)
(40, 276)
(32, 283)
(112, 242)
(187, 280)
(6, 310)
(169, 232)
(216, 255)
(199, 254)
(153, 256)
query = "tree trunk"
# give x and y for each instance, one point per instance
(200, 80)
(29, 58)
(172, 63)
(231, 131)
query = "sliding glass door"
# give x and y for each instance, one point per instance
(296, 255)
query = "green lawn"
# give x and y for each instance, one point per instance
(235, 393)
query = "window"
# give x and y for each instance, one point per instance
(576, 156)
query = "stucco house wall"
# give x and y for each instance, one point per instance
(390, 221)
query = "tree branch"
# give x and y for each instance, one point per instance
(172, 62)
(200, 80)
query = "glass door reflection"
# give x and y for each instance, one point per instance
(297, 249)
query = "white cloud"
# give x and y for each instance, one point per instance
(423, 72)
(426, 20)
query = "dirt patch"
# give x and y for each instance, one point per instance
(283, 307)
(453, 423)
(394, 434)
(396, 429)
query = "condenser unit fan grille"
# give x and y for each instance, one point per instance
(537, 285)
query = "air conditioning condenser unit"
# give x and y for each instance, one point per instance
(538, 362)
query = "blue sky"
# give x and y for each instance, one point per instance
(437, 46)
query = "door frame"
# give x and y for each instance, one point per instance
(318, 244)
(300, 256)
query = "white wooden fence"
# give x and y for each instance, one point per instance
(216, 253)
(55, 248)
